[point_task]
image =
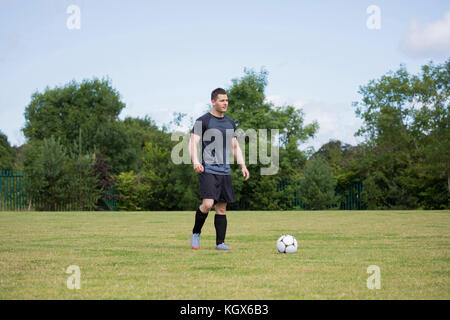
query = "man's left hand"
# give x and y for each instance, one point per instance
(245, 173)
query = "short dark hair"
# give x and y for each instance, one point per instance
(216, 92)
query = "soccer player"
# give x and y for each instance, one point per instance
(217, 135)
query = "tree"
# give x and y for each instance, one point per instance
(58, 180)
(133, 192)
(45, 174)
(113, 141)
(86, 113)
(249, 108)
(406, 126)
(101, 170)
(7, 153)
(317, 185)
(82, 192)
(139, 131)
(173, 187)
(160, 185)
(344, 161)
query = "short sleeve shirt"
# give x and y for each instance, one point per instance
(216, 140)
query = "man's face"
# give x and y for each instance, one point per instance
(221, 103)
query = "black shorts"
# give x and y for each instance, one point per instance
(217, 187)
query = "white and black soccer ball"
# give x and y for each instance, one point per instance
(287, 244)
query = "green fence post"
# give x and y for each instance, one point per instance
(1, 190)
(22, 194)
(8, 190)
(15, 189)
(13, 207)
(352, 197)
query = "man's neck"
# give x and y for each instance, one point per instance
(217, 114)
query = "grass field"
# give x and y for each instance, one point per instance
(146, 255)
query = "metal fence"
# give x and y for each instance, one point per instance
(349, 199)
(352, 198)
(12, 193)
(13, 196)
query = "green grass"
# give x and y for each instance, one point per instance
(146, 255)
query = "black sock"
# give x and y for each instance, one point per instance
(220, 222)
(200, 218)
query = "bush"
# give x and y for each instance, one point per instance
(317, 186)
(133, 192)
(56, 180)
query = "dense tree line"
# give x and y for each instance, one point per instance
(405, 158)
(77, 148)
(7, 153)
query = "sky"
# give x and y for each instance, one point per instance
(167, 56)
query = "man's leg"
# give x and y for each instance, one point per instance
(202, 214)
(206, 205)
(220, 223)
(200, 218)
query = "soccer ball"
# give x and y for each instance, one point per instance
(286, 244)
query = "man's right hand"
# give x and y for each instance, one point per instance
(198, 168)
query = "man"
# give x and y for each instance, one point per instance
(214, 171)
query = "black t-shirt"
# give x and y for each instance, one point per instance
(216, 136)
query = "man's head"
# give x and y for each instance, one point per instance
(219, 100)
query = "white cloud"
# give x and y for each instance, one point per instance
(431, 40)
(336, 120)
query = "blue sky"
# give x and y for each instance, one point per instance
(167, 56)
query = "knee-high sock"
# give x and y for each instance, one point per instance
(220, 222)
(200, 218)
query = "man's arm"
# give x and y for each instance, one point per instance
(193, 142)
(237, 153)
